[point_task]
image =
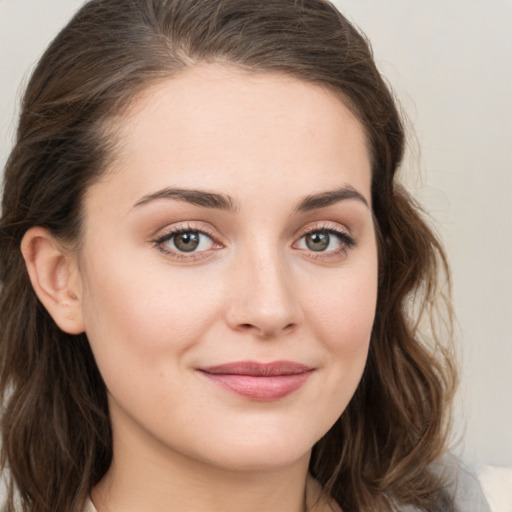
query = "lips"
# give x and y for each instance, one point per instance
(259, 381)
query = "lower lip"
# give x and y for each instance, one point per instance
(259, 388)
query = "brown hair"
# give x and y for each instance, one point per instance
(56, 435)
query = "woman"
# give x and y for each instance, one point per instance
(217, 297)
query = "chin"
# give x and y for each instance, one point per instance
(262, 461)
(263, 454)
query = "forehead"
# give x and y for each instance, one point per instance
(216, 125)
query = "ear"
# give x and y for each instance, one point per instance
(55, 277)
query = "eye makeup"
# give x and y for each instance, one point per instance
(188, 242)
(324, 242)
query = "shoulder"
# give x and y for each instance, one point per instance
(461, 484)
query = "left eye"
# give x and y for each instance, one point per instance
(324, 241)
(188, 241)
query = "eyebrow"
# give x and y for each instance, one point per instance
(324, 199)
(225, 202)
(193, 196)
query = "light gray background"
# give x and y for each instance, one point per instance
(450, 62)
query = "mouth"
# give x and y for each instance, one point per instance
(259, 381)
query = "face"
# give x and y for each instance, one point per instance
(229, 268)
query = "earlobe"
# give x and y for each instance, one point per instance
(55, 277)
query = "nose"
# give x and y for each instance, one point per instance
(262, 299)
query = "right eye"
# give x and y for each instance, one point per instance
(185, 242)
(190, 241)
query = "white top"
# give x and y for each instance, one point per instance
(89, 507)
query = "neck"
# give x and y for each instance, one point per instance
(134, 488)
(168, 481)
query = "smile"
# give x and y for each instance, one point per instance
(259, 381)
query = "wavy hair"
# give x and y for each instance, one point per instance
(56, 433)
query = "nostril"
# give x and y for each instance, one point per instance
(270, 332)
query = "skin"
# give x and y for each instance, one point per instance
(253, 290)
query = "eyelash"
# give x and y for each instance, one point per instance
(176, 254)
(346, 241)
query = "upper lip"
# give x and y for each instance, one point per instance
(257, 369)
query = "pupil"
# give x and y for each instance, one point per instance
(186, 242)
(317, 241)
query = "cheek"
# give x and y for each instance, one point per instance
(345, 310)
(342, 317)
(148, 313)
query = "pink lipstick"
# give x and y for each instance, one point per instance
(259, 381)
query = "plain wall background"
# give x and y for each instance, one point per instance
(450, 62)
